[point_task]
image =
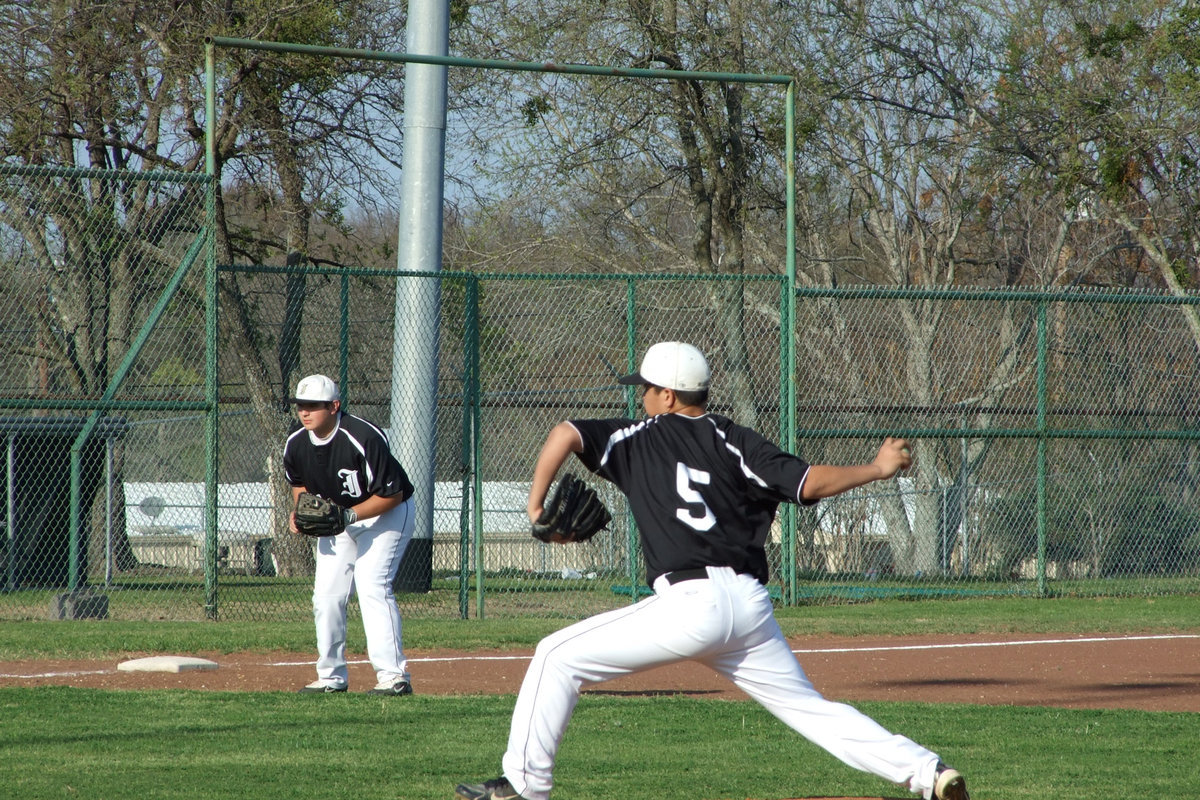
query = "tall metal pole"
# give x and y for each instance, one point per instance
(417, 315)
(787, 342)
(1041, 447)
(212, 416)
(631, 407)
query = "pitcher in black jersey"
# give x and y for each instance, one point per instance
(346, 459)
(703, 491)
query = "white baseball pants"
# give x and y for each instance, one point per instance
(725, 622)
(363, 558)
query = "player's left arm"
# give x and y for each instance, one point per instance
(563, 440)
(374, 505)
(389, 484)
(387, 492)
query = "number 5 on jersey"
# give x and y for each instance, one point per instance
(685, 480)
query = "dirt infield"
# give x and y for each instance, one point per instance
(1153, 672)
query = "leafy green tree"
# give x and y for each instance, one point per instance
(1098, 100)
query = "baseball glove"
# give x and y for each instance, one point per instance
(574, 512)
(316, 516)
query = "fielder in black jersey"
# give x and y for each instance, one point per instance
(346, 459)
(703, 491)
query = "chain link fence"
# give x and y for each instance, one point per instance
(1056, 438)
(1055, 433)
(103, 387)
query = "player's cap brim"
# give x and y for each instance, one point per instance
(635, 379)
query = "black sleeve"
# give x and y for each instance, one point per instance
(388, 477)
(776, 472)
(595, 435)
(291, 465)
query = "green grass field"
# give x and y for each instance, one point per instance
(107, 745)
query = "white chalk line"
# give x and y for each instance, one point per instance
(882, 648)
(806, 651)
(56, 674)
(411, 660)
(1014, 643)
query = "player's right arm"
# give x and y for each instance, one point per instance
(291, 472)
(562, 441)
(296, 491)
(827, 480)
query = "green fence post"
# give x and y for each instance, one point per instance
(477, 440)
(212, 418)
(469, 457)
(787, 426)
(631, 364)
(74, 545)
(344, 338)
(787, 341)
(1041, 447)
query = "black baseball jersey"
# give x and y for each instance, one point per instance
(703, 490)
(353, 464)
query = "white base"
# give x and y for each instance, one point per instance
(166, 664)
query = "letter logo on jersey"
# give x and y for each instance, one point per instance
(685, 477)
(350, 482)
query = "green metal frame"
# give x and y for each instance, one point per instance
(631, 406)
(211, 394)
(1040, 432)
(787, 399)
(471, 454)
(107, 403)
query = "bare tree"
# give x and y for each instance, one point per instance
(661, 175)
(119, 85)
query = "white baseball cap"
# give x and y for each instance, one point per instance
(316, 389)
(672, 365)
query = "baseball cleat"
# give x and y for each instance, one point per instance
(495, 789)
(949, 784)
(320, 687)
(392, 688)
